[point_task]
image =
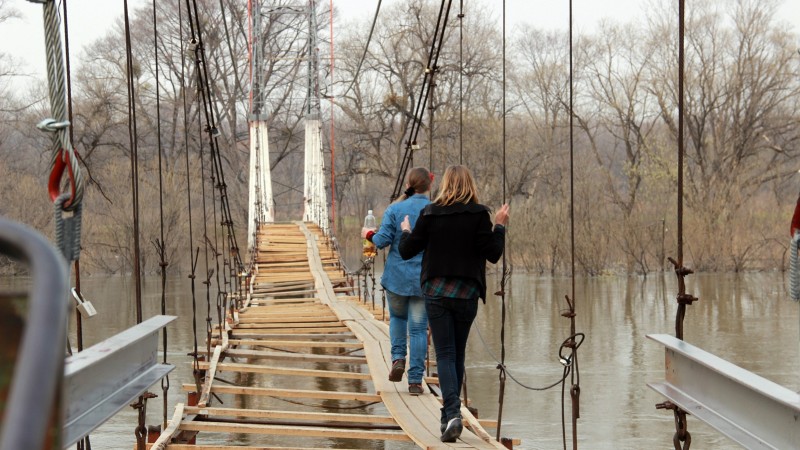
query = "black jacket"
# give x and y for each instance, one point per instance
(457, 240)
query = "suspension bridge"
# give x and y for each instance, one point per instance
(301, 306)
(294, 328)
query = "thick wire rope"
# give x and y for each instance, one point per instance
(366, 47)
(161, 244)
(58, 125)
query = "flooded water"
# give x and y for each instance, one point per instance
(746, 319)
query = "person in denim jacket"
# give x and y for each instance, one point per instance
(400, 279)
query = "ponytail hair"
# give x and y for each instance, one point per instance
(419, 181)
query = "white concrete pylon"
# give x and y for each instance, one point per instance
(314, 202)
(261, 207)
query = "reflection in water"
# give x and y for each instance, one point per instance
(739, 317)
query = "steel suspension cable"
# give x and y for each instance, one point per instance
(161, 244)
(215, 176)
(416, 122)
(683, 299)
(461, 82)
(207, 281)
(503, 279)
(681, 68)
(366, 46)
(134, 157)
(78, 317)
(193, 254)
(575, 376)
(212, 131)
(333, 128)
(141, 404)
(84, 443)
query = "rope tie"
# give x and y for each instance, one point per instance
(794, 267)
(68, 229)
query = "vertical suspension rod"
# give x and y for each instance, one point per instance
(502, 374)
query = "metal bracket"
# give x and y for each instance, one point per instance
(745, 407)
(106, 377)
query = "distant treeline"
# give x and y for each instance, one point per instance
(742, 132)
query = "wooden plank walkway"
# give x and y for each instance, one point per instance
(301, 325)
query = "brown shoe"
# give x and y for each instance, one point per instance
(415, 389)
(398, 369)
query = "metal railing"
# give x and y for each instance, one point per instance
(39, 368)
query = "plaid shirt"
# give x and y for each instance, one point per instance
(449, 287)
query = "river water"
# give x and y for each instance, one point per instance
(747, 319)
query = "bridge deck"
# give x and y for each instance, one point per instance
(302, 312)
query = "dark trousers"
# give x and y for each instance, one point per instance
(450, 320)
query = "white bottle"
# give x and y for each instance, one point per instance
(369, 250)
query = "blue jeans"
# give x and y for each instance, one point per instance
(407, 316)
(450, 320)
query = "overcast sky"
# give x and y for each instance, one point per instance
(89, 19)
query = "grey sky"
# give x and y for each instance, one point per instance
(89, 19)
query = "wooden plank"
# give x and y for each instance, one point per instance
(232, 447)
(276, 289)
(292, 325)
(172, 428)
(295, 415)
(489, 423)
(290, 319)
(273, 336)
(417, 415)
(295, 292)
(290, 393)
(215, 427)
(283, 307)
(295, 357)
(253, 368)
(291, 330)
(206, 393)
(293, 344)
(288, 283)
(287, 301)
(322, 313)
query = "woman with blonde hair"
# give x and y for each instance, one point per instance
(400, 280)
(457, 236)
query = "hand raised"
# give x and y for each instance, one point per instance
(406, 224)
(502, 215)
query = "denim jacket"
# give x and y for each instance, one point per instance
(399, 276)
